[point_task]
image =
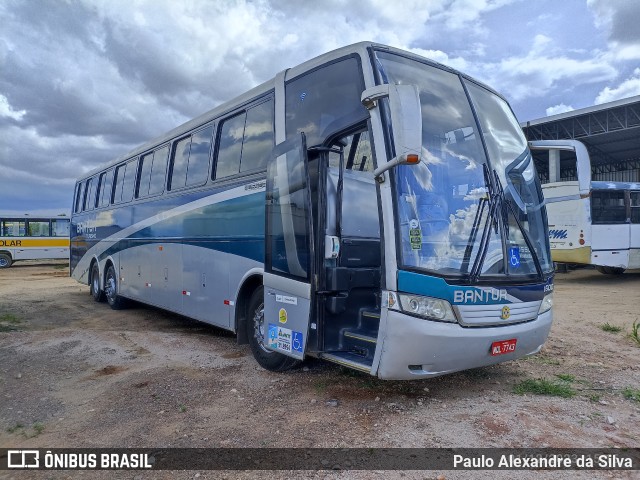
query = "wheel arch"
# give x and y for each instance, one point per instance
(249, 285)
(108, 263)
(94, 261)
(8, 253)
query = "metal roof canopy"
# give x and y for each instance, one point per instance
(611, 133)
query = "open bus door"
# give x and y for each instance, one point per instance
(289, 249)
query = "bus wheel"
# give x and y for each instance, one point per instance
(114, 300)
(5, 260)
(94, 284)
(268, 359)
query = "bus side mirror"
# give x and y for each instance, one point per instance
(406, 120)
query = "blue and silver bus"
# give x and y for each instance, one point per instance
(368, 207)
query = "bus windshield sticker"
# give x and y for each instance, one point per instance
(514, 256)
(282, 316)
(415, 234)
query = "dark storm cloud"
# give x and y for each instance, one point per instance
(624, 21)
(46, 76)
(140, 59)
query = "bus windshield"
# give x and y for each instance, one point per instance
(460, 214)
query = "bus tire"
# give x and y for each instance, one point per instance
(94, 284)
(267, 359)
(5, 260)
(114, 300)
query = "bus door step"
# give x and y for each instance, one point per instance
(360, 342)
(362, 336)
(370, 320)
(348, 359)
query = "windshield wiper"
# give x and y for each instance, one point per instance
(484, 201)
(494, 202)
(499, 207)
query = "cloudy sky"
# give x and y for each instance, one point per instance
(82, 82)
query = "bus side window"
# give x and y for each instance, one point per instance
(119, 181)
(91, 196)
(129, 183)
(179, 163)
(159, 170)
(13, 228)
(125, 181)
(88, 189)
(607, 207)
(146, 163)
(259, 138)
(38, 228)
(101, 179)
(60, 227)
(230, 146)
(635, 206)
(198, 166)
(325, 100)
(106, 189)
(77, 203)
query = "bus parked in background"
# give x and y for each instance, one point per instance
(37, 238)
(368, 207)
(590, 222)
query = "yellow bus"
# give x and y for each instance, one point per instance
(26, 238)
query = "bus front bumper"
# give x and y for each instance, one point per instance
(414, 348)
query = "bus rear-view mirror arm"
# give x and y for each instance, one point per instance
(406, 122)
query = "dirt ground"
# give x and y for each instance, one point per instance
(74, 373)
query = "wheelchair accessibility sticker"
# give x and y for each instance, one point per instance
(297, 342)
(514, 256)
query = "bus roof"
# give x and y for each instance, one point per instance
(220, 110)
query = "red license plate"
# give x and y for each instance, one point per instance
(503, 346)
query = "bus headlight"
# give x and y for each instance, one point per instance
(547, 303)
(427, 307)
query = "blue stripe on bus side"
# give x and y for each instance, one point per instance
(252, 248)
(235, 225)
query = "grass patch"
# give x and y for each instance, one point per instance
(542, 359)
(38, 428)
(631, 394)
(566, 377)
(595, 398)
(182, 408)
(607, 327)
(320, 386)
(635, 333)
(541, 386)
(61, 267)
(15, 428)
(8, 322)
(10, 318)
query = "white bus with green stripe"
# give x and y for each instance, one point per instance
(368, 207)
